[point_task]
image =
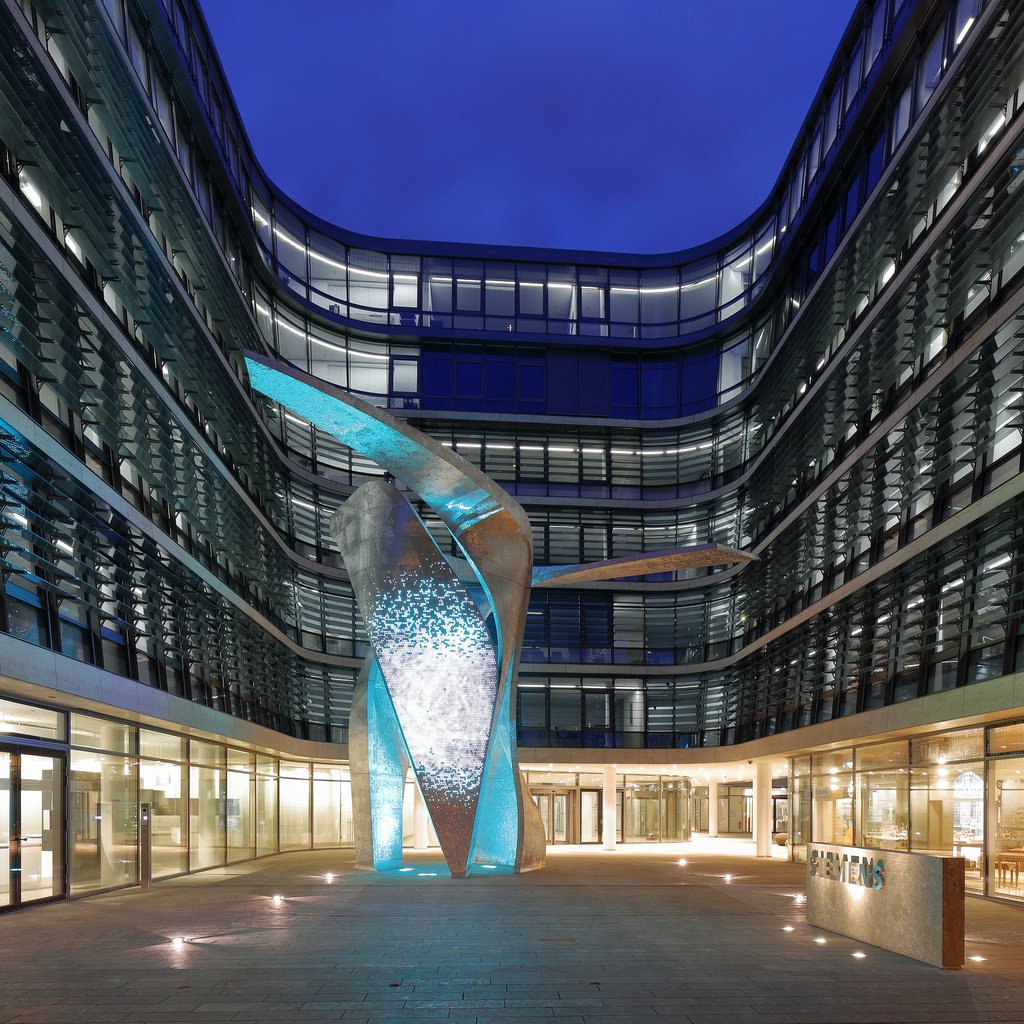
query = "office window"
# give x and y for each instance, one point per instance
(876, 35)
(929, 70)
(901, 116)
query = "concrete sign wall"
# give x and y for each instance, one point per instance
(910, 903)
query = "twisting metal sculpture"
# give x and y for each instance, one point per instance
(437, 693)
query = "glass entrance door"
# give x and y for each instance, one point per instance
(560, 817)
(590, 815)
(5, 829)
(544, 806)
(31, 827)
(556, 812)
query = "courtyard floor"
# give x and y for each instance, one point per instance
(596, 938)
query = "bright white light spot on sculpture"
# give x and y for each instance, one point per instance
(438, 660)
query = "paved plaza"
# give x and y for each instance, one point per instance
(596, 938)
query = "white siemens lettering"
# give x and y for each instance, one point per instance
(852, 869)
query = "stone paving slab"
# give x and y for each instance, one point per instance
(593, 939)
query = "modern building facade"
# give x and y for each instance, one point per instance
(835, 385)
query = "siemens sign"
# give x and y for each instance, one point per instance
(911, 903)
(853, 869)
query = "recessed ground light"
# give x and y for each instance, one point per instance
(489, 867)
(277, 899)
(178, 940)
(820, 941)
(682, 862)
(978, 959)
(788, 928)
(800, 898)
(328, 877)
(427, 874)
(403, 870)
(858, 955)
(728, 878)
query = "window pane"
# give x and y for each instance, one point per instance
(23, 720)
(162, 786)
(103, 823)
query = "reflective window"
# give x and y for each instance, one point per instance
(24, 720)
(102, 734)
(103, 821)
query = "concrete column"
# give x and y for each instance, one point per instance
(712, 809)
(609, 804)
(420, 820)
(763, 808)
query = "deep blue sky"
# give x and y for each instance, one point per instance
(631, 125)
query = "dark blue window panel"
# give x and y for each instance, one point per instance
(501, 380)
(531, 381)
(563, 399)
(700, 382)
(594, 384)
(468, 378)
(625, 387)
(436, 374)
(659, 387)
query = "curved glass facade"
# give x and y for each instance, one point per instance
(834, 385)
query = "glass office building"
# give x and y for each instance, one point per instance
(834, 385)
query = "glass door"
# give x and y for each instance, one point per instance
(560, 817)
(5, 829)
(590, 816)
(31, 827)
(544, 806)
(555, 811)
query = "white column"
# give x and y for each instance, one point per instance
(609, 804)
(420, 820)
(712, 809)
(763, 808)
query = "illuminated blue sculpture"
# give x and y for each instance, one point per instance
(437, 693)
